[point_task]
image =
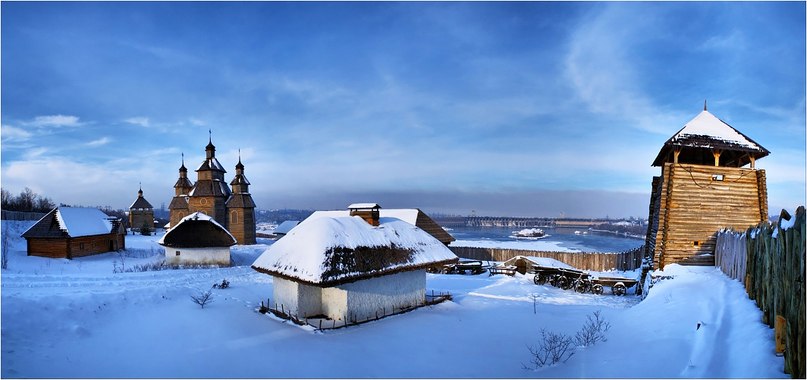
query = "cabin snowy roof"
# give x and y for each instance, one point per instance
(197, 230)
(72, 222)
(707, 132)
(363, 205)
(413, 216)
(327, 251)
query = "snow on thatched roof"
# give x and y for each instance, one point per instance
(72, 222)
(330, 250)
(413, 216)
(706, 131)
(197, 230)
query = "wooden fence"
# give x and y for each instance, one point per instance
(596, 261)
(21, 215)
(769, 260)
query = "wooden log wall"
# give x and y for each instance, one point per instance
(596, 261)
(695, 203)
(773, 258)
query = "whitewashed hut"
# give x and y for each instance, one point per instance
(197, 240)
(350, 268)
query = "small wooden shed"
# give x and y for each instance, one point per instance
(347, 268)
(68, 232)
(708, 182)
(197, 240)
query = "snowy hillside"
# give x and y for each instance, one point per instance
(82, 320)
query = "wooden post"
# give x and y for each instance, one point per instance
(780, 330)
(716, 153)
(675, 155)
(753, 160)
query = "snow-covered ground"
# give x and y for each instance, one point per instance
(63, 318)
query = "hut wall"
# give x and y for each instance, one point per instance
(48, 247)
(75, 247)
(197, 256)
(384, 295)
(297, 299)
(694, 205)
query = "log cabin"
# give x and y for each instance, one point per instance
(708, 182)
(69, 232)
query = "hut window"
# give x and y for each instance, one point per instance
(177, 253)
(695, 243)
(717, 177)
(81, 246)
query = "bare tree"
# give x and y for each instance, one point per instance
(203, 298)
(593, 331)
(553, 348)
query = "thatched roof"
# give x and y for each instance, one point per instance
(328, 251)
(413, 216)
(705, 133)
(197, 230)
(72, 222)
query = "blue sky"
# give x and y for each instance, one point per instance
(524, 109)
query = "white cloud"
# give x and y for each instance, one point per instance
(599, 68)
(140, 120)
(99, 142)
(55, 121)
(197, 122)
(14, 134)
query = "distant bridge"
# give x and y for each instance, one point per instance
(491, 221)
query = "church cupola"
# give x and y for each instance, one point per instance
(240, 183)
(210, 149)
(183, 185)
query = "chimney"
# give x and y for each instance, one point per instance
(367, 211)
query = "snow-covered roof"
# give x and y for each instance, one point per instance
(197, 230)
(75, 222)
(364, 205)
(329, 250)
(406, 214)
(285, 227)
(706, 131)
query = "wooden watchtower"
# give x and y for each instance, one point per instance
(708, 182)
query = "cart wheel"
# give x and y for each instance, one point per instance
(539, 279)
(581, 286)
(596, 289)
(446, 270)
(619, 289)
(564, 282)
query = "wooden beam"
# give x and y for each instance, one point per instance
(675, 155)
(716, 153)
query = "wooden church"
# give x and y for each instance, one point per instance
(234, 209)
(708, 182)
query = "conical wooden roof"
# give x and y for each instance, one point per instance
(706, 133)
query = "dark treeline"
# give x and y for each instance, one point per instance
(26, 201)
